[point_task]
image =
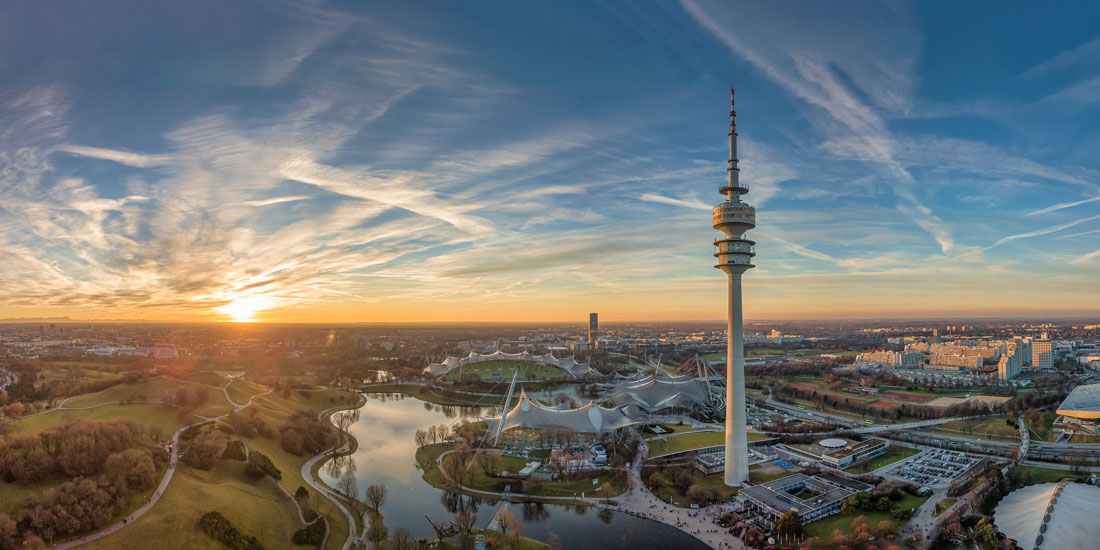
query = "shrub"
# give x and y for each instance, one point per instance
(220, 529)
(234, 450)
(311, 534)
(259, 464)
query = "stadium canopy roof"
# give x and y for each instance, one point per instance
(1082, 402)
(654, 393)
(567, 364)
(590, 418)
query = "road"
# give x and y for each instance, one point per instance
(8, 378)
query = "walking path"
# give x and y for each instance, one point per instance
(320, 487)
(172, 461)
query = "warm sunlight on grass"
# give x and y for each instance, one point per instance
(244, 310)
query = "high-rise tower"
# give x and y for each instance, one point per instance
(593, 328)
(735, 253)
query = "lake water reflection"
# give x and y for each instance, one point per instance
(386, 456)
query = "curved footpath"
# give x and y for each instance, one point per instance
(172, 461)
(144, 508)
(320, 487)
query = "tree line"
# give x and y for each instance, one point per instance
(106, 463)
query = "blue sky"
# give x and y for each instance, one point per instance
(539, 160)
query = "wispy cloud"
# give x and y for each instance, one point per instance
(686, 203)
(1044, 231)
(128, 158)
(1062, 206)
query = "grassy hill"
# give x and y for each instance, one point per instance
(149, 389)
(255, 506)
(164, 417)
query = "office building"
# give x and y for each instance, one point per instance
(1042, 354)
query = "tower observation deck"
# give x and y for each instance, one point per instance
(735, 255)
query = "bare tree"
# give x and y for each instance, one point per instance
(377, 533)
(511, 528)
(348, 484)
(490, 463)
(606, 491)
(466, 520)
(401, 540)
(453, 468)
(421, 438)
(376, 496)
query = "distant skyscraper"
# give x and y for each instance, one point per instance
(1042, 354)
(734, 218)
(593, 328)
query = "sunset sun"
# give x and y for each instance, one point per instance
(244, 310)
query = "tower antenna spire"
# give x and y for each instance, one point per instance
(733, 188)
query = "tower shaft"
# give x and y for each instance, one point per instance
(737, 445)
(735, 253)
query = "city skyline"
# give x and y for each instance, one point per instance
(308, 163)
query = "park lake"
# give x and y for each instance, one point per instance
(385, 456)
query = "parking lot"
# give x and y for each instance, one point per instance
(935, 467)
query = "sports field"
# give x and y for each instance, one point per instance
(691, 441)
(503, 370)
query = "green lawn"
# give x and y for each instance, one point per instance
(692, 441)
(205, 377)
(427, 456)
(1041, 430)
(150, 389)
(13, 496)
(241, 390)
(993, 427)
(893, 454)
(255, 506)
(675, 429)
(506, 369)
(823, 528)
(215, 403)
(1048, 475)
(678, 498)
(155, 415)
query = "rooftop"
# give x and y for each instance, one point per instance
(776, 494)
(1082, 402)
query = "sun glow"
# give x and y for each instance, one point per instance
(244, 310)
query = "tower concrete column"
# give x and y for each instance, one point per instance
(737, 447)
(735, 253)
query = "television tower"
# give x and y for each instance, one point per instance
(735, 253)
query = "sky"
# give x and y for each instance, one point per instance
(535, 161)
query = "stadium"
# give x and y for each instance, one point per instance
(501, 365)
(1080, 411)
